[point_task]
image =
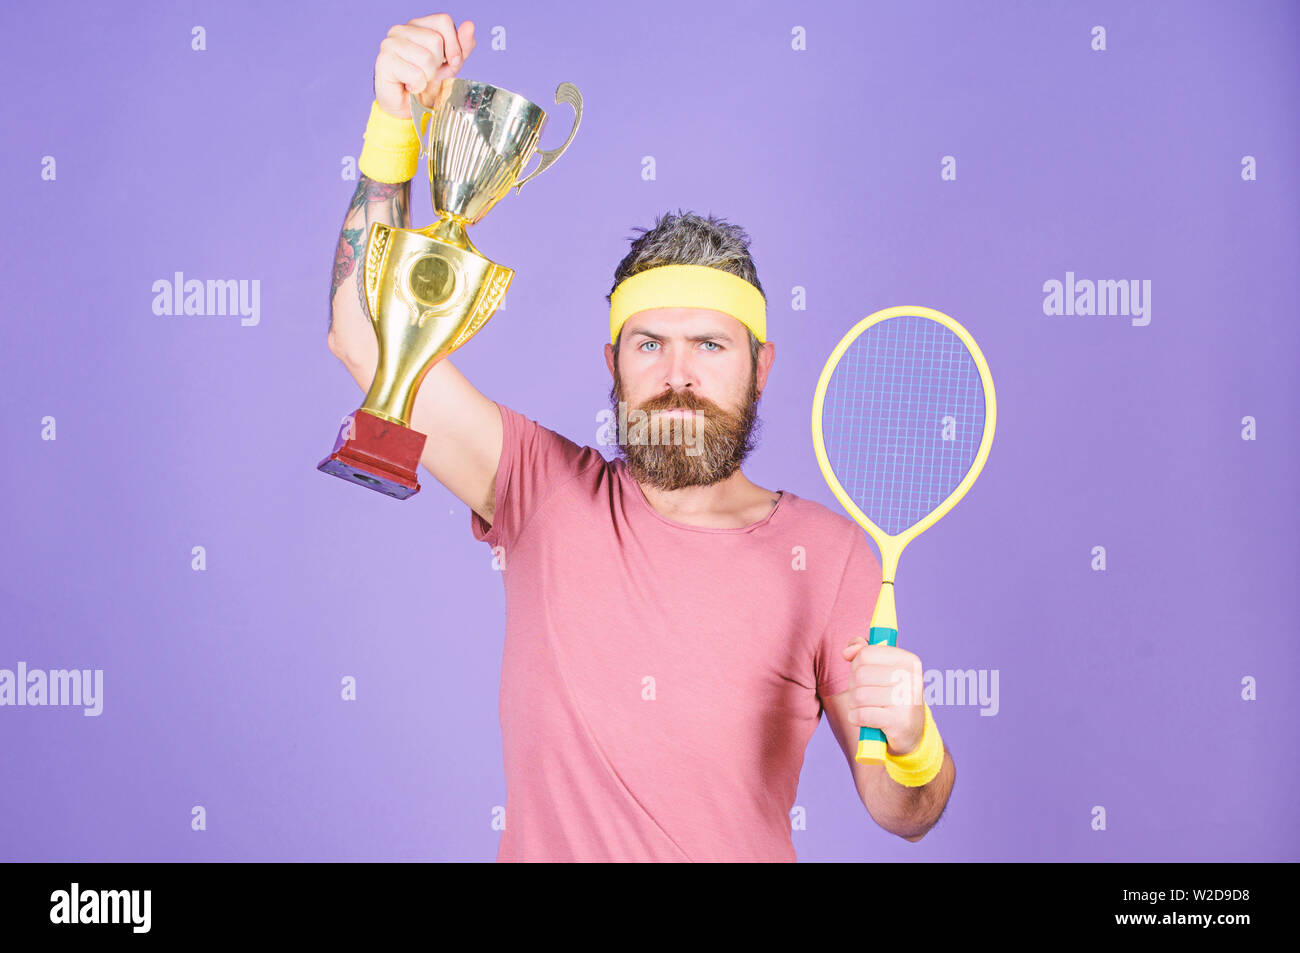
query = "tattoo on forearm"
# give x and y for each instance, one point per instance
(374, 199)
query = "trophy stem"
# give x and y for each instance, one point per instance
(397, 380)
(451, 230)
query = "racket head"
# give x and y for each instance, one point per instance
(885, 389)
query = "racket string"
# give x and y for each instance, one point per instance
(903, 419)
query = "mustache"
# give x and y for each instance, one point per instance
(679, 400)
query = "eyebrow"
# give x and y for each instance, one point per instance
(713, 336)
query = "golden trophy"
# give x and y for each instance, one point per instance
(429, 290)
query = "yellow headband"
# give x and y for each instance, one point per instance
(688, 286)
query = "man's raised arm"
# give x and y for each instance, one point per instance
(463, 427)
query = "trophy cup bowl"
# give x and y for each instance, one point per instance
(429, 290)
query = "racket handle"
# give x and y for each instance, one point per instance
(872, 741)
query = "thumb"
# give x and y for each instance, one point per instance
(852, 649)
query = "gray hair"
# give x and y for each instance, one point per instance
(688, 239)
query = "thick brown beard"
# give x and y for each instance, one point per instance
(723, 442)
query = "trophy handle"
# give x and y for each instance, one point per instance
(376, 246)
(420, 117)
(564, 93)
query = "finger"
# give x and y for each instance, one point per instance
(902, 692)
(397, 70)
(885, 656)
(870, 673)
(402, 45)
(905, 687)
(442, 24)
(853, 648)
(882, 653)
(879, 696)
(467, 39)
(869, 716)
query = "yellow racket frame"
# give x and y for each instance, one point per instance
(884, 620)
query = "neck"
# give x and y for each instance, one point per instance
(735, 501)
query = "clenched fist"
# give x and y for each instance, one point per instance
(888, 685)
(417, 55)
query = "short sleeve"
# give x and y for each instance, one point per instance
(855, 601)
(535, 461)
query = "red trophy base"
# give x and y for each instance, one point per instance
(380, 455)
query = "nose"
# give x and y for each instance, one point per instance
(679, 373)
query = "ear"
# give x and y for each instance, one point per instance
(609, 360)
(766, 355)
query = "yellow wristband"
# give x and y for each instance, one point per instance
(921, 765)
(391, 152)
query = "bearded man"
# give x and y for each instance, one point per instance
(674, 631)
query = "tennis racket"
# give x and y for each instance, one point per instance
(902, 424)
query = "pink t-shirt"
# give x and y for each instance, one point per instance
(660, 682)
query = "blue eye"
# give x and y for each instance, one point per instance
(712, 343)
(644, 343)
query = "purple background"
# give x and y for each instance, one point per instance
(1119, 688)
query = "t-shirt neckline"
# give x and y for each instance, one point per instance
(635, 489)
